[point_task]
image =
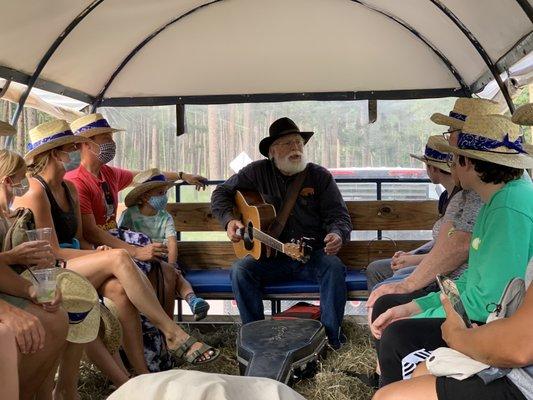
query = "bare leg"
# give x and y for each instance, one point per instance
(101, 266)
(170, 284)
(34, 368)
(99, 355)
(9, 377)
(131, 324)
(69, 371)
(183, 287)
(421, 388)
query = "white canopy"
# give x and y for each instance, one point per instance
(269, 49)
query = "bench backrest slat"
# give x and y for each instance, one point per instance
(366, 215)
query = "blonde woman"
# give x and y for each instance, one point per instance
(40, 329)
(55, 204)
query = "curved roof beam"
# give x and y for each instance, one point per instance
(132, 54)
(524, 4)
(433, 48)
(49, 55)
(470, 36)
(465, 88)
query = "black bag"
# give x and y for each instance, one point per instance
(282, 350)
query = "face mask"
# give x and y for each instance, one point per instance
(107, 152)
(21, 188)
(159, 203)
(75, 159)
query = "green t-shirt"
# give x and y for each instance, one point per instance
(157, 227)
(501, 246)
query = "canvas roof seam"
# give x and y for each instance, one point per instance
(44, 60)
(526, 6)
(453, 70)
(440, 54)
(480, 49)
(521, 49)
(100, 96)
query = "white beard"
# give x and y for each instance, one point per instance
(289, 167)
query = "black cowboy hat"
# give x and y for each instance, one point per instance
(279, 128)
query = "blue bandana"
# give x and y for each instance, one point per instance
(34, 145)
(435, 155)
(468, 141)
(101, 123)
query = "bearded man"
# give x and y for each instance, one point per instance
(319, 213)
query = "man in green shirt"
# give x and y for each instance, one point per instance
(488, 158)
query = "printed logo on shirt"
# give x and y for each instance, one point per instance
(411, 360)
(475, 243)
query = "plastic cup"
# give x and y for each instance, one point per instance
(40, 234)
(46, 284)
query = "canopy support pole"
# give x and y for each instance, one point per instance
(435, 50)
(528, 9)
(464, 87)
(100, 96)
(479, 49)
(48, 55)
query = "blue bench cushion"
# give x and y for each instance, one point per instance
(218, 281)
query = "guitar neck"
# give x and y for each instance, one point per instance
(268, 240)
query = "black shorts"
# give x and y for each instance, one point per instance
(474, 388)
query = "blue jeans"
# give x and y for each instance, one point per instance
(249, 276)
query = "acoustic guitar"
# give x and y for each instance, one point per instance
(257, 215)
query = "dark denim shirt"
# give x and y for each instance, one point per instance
(319, 209)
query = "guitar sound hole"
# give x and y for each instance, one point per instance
(249, 237)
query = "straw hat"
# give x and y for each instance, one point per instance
(463, 108)
(144, 182)
(523, 115)
(492, 138)
(432, 156)
(48, 136)
(91, 125)
(80, 300)
(7, 129)
(110, 326)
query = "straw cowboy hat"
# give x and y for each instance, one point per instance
(144, 182)
(279, 128)
(463, 108)
(80, 300)
(48, 136)
(492, 138)
(432, 156)
(91, 125)
(523, 115)
(7, 129)
(110, 326)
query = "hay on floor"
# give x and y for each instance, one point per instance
(330, 383)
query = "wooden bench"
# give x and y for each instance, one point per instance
(208, 262)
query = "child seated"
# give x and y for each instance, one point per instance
(147, 213)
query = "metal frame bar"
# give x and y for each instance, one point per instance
(49, 54)
(101, 101)
(282, 97)
(20, 77)
(473, 40)
(521, 49)
(132, 53)
(526, 6)
(417, 34)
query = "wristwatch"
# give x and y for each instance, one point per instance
(180, 175)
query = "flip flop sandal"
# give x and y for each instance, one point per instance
(193, 358)
(200, 309)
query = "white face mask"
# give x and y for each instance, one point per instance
(20, 189)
